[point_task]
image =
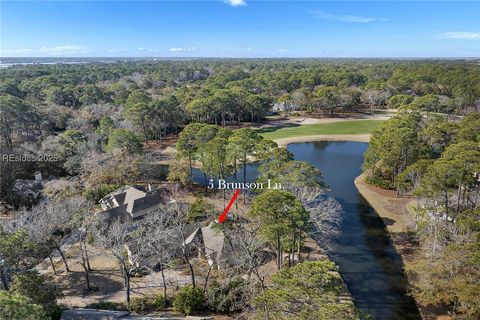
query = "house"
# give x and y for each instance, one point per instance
(210, 240)
(279, 107)
(27, 188)
(286, 106)
(213, 241)
(130, 203)
(207, 241)
(121, 196)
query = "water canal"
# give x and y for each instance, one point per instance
(367, 259)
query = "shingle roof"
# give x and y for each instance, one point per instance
(115, 214)
(140, 201)
(120, 198)
(148, 201)
(213, 240)
(133, 194)
(123, 195)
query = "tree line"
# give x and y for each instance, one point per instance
(437, 161)
(278, 222)
(228, 90)
(78, 108)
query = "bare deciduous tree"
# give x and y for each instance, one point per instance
(127, 243)
(177, 216)
(160, 245)
(84, 224)
(243, 251)
(51, 222)
(325, 213)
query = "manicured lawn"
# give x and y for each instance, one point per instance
(343, 127)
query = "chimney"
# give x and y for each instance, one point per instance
(38, 176)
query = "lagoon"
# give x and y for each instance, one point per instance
(364, 252)
(368, 262)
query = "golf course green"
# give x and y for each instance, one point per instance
(340, 127)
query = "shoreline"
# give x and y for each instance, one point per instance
(283, 142)
(391, 209)
(398, 220)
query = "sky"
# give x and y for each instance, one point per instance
(239, 28)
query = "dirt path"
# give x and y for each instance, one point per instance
(107, 280)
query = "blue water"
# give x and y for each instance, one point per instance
(367, 259)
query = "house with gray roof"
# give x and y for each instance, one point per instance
(130, 203)
(205, 241)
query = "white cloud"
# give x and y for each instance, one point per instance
(182, 49)
(460, 35)
(60, 50)
(345, 18)
(236, 3)
(116, 50)
(143, 49)
(281, 50)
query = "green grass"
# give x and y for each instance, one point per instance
(343, 127)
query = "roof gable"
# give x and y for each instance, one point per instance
(213, 240)
(133, 194)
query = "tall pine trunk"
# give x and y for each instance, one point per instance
(292, 249)
(279, 252)
(205, 180)
(299, 245)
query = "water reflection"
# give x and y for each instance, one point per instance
(368, 262)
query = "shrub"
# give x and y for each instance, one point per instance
(146, 303)
(228, 296)
(107, 305)
(379, 182)
(176, 263)
(55, 312)
(158, 301)
(142, 304)
(189, 300)
(98, 192)
(17, 307)
(34, 286)
(199, 209)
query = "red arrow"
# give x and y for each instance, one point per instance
(223, 216)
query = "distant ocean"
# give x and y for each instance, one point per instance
(8, 62)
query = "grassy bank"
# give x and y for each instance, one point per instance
(341, 127)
